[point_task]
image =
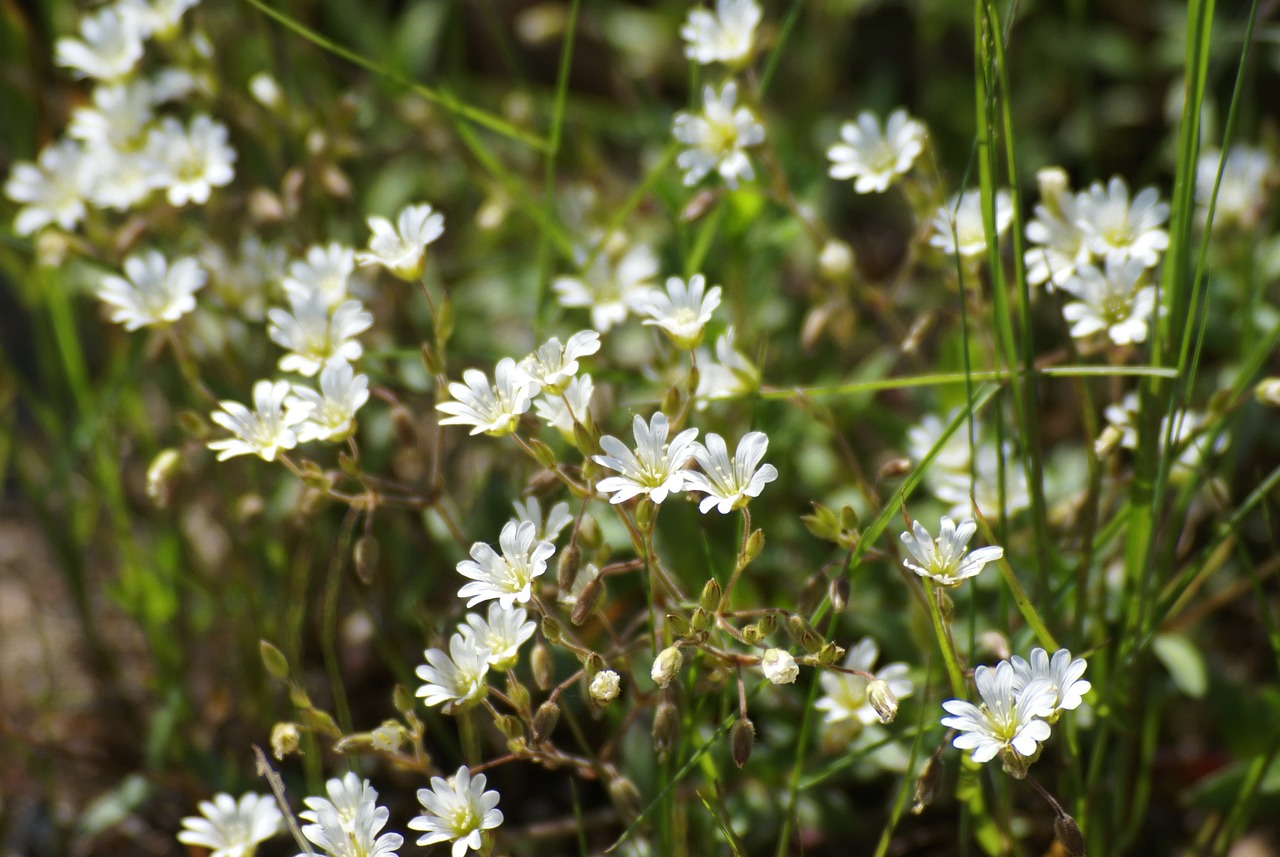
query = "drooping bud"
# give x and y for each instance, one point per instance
(273, 659)
(882, 700)
(588, 600)
(365, 558)
(666, 666)
(626, 797)
(666, 728)
(543, 665)
(928, 784)
(1069, 836)
(567, 570)
(402, 699)
(284, 739)
(544, 722)
(742, 737)
(838, 593)
(779, 666)
(768, 624)
(604, 687)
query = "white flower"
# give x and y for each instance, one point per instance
(502, 633)
(456, 679)
(610, 288)
(982, 487)
(845, 695)
(604, 687)
(347, 823)
(875, 159)
(52, 190)
(779, 667)
(325, 270)
(331, 413)
(155, 292)
(1185, 432)
(959, 226)
(730, 484)
(109, 46)
(558, 517)
(655, 470)
(1061, 672)
(156, 17)
(666, 666)
(457, 810)
(553, 365)
(120, 179)
(400, 248)
(574, 403)
(118, 117)
(944, 559)
(263, 431)
(683, 311)
(1112, 302)
(1241, 194)
(717, 138)
(193, 160)
(1006, 721)
(313, 337)
(493, 410)
(241, 280)
(508, 576)
(1061, 244)
(725, 36)
(231, 829)
(1115, 229)
(954, 455)
(730, 373)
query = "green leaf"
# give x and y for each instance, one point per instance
(1184, 662)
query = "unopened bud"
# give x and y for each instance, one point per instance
(1268, 391)
(835, 260)
(388, 737)
(1107, 441)
(543, 665)
(160, 476)
(567, 570)
(551, 629)
(752, 635)
(742, 737)
(510, 727)
(604, 687)
(592, 665)
(830, 653)
(678, 626)
(882, 700)
(273, 659)
(284, 739)
(365, 558)
(768, 624)
(709, 600)
(796, 628)
(701, 620)
(779, 667)
(928, 784)
(811, 594)
(543, 454)
(1014, 763)
(946, 606)
(544, 722)
(1053, 182)
(666, 728)
(589, 532)
(586, 438)
(644, 514)
(1069, 836)
(517, 693)
(754, 545)
(588, 601)
(666, 666)
(671, 400)
(895, 468)
(838, 593)
(626, 797)
(812, 641)
(402, 699)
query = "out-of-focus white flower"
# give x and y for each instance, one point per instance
(1062, 673)
(553, 365)
(1242, 192)
(265, 90)
(325, 270)
(1060, 242)
(119, 179)
(730, 373)
(400, 248)
(331, 412)
(958, 227)
(718, 138)
(118, 116)
(193, 160)
(959, 480)
(845, 695)
(1185, 431)
(874, 159)
(313, 337)
(1116, 229)
(493, 410)
(655, 469)
(666, 666)
(1007, 721)
(558, 517)
(683, 311)
(347, 823)
(730, 483)
(458, 810)
(52, 190)
(604, 687)
(503, 633)
(109, 46)
(1111, 302)
(574, 403)
(241, 280)
(265, 430)
(779, 667)
(725, 36)
(610, 288)
(507, 577)
(155, 292)
(456, 679)
(946, 559)
(156, 17)
(230, 828)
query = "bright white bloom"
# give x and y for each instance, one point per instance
(959, 225)
(325, 270)
(155, 292)
(725, 36)
(347, 823)
(574, 403)
(109, 46)
(263, 431)
(157, 17)
(1007, 720)
(503, 633)
(508, 576)
(400, 248)
(120, 179)
(717, 138)
(193, 160)
(610, 288)
(331, 413)
(683, 311)
(553, 365)
(730, 484)
(954, 455)
(845, 695)
(946, 559)
(1061, 672)
(875, 159)
(604, 687)
(655, 470)
(558, 517)
(1242, 192)
(493, 410)
(456, 679)
(1113, 302)
(458, 810)
(1060, 242)
(313, 337)
(52, 190)
(231, 829)
(779, 667)
(346, 795)
(1114, 229)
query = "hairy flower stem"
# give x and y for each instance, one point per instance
(740, 564)
(946, 643)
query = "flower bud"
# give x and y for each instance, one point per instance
(551, 629)
(510, 727)
(768, 624)
(678, 626)
(365, 558)
(895, 468)
(1015, 764)
(701, 620)
(626, 797)
(755, 543)
(644, 514)
(1268, 391)
(995, 643)
(604, 687)
(742, 737)
(588, 601)
(284, 739)
(928, 784)
(709, 600)
(160, 477)
(752, 635)
(403, 699)
(666, 666)
(1107, 441)
(796, 628)
(779, 667)
(835, 260)
(838, 593)
(402, 422)
(543, 454)
(882, 700)
(517, 693)
(543, 664)
(544, 722)
(1069, 836)
(273, 659)
(567, 569)
(1053, 182)
(666, 728)
(592, 665)
(829, 653)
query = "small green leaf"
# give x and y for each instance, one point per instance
(1184, 662)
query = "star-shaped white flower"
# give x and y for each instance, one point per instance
(507, 577)
(502, 632)
(493, 410)
(456, 679)
(231, 828)
(157, 17)
(683, 311)
(1116, 229)
(458, 810)
(655, 469)
(193, 160)
(958, 227)
(263, 431)
(52, 190)
(718, 138)
(325, 269)
(558, 517)
(725, 36)
(1112, 302)
(400, 248)
(109, 46)
(1060, 244)
(1063, 674)
(874, 158)
(553, 365)
(730, 373)
(347, 823)
(1246, 174)
(611, 288)
(314, 337)
(845, 695)
(331, 412)
(155, 293)
(730, 483)
(1007, 720)
(946, 559)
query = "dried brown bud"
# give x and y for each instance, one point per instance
(588, 601)
(928, 784)
(567, 570)
(1069, 836)
(895, 468)
(544, 722)
(742, 737)
(666, 728)
(402, 422)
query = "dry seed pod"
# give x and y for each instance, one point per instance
(588, 601)
(544, 722)
(1069, 836)
(541, 661)
(742, 737)
(567, 569)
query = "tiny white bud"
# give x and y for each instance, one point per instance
(666, 666)
(1268, 391)
(779, 667)
(604, 687)
(1107, 441)
(882, 700)
(265, 90)
(836, 259)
